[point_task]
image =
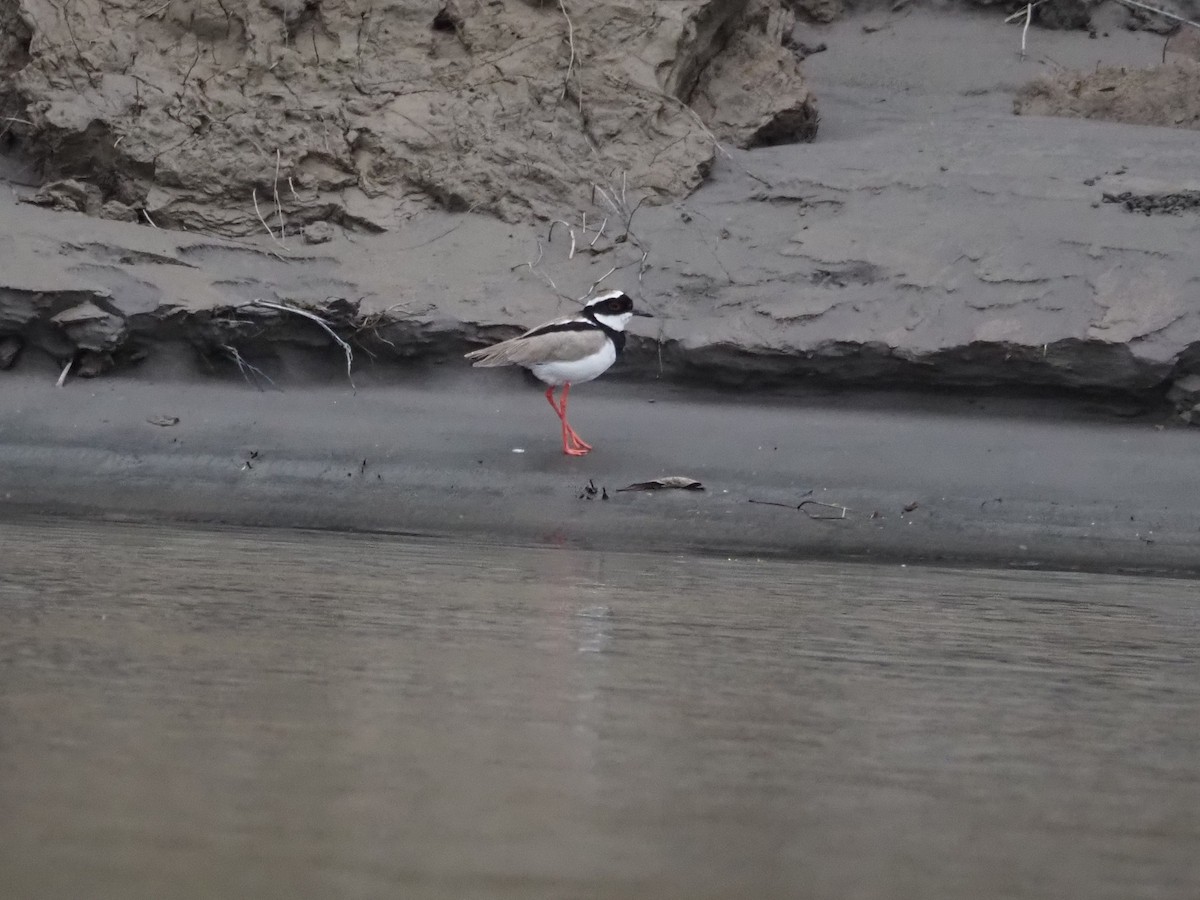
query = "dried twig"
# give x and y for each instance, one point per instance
(1021, 13)
(275, 191)
(155, 11)
(254, 197)
(571, 61)
(62, 379)
(245, 366)
(533, 267)
(599, 231)
(148, 219)
(1160, 12)
(1025, 30)
(532, 264)
(570, 230)
(283, 307)
(803, 503)
(596, 284)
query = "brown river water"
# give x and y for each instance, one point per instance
(192, 713)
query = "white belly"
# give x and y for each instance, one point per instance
(556, 373)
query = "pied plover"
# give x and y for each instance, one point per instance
(567, 351)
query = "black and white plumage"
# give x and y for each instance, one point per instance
(568, 350)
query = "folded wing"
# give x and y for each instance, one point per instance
(558, 342)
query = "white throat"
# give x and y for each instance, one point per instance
(616, 323)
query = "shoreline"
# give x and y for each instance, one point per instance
(471, 456)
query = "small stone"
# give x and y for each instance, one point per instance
(92, 364)
(69, 194)
(318, 233)
(1185, 390)
(118, 211)
(89, 327)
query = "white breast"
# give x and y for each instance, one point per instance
(579, 370)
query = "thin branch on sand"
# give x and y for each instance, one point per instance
(596, 284)
(571, 61)
(618, 204)
(1160, 12)
(62, 379)
(437, 237)
(10, 121)
(278, 206)
(570, 230)
(803, 503)
(599, 231)
(245, 366)
(1021, 13)
(155, 11)
(373, 321)
(1025, 30)
(311, 316)
(254, 197)
(533, 267)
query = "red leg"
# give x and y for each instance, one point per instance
(578, 445)
(572, 446)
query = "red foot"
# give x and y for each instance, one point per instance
(573, 444)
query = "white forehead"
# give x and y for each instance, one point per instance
(607, 295)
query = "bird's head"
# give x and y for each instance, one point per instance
(612, 309)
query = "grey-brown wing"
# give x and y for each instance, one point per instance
(530, 349)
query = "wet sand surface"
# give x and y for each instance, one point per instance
(219, 713)
(942, 479)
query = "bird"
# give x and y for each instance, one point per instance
(568, 350)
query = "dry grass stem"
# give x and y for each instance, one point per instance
(571, 61)
(258, 212)
(1025, 30)
(842, 510)
(148, 219)
(62, 379)
(599, 231)
(278, 206)
(245, 366)
(533, 267)
(1160, 12)
(596, 284)
(1021, 13)
(155, 11)
(311, 316)
(570, 230)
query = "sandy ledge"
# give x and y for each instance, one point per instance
(929, 237)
